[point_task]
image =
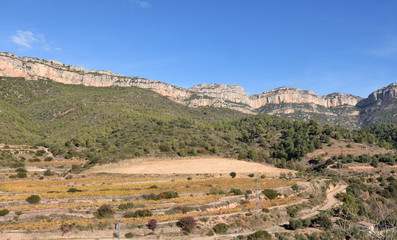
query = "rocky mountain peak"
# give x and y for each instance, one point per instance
(217, 95)
(382, 95)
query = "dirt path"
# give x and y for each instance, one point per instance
(330, 202)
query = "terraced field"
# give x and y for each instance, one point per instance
(69, 202)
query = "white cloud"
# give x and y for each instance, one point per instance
(24, 38)
(29, 40)
(388, 48)
(141, 3)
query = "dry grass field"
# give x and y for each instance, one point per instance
(168, 189)
(209, 165)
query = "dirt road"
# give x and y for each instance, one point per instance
(330, 202)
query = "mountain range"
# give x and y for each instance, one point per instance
(345, 110)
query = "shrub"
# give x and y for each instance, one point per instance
(22, 175)
(4, 212)
(307, 222)
(65, 228)
(251, 175)
(125, 206)
(233, 174)
(220, 228)
(295, 224)
(129, 235)
(153, 186)
(163, 195)
(48, 159)
(21, 170)
(34, 160)
(261, 234)
(138, 213)
(292, 211)
(104, 211)
(270, 194)
(295, 187)
(216, 191)
(187, 224)
(33, 199)
(265, 210)
(168, 195)
(236, 191)
(323, 221)
(48, 172)
(40, 153)
(73, 190)
(152, 224)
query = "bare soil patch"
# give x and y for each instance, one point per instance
(212, 165)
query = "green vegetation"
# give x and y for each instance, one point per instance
(220, 228)
(33, 199)
(113, 123)
(104, 211)
(261, 234)
(235, 191)
(270, 193)
(73, 190)
(129, 235)
(163, 195)
(4, 212)
(125, 206)
(138, 214)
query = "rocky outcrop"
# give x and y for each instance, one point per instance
(217, 95)
(382, 95)
(295, 95)
(34, 69)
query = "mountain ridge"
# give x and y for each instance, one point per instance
(215, 95)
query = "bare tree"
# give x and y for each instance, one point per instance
(380, 213)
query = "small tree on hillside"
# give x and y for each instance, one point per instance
(187, 224)
(104, 211)
(33, 199)
(233, 174)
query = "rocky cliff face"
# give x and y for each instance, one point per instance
(285, 101)
(382, 95)
(295, 95)
(34, 69)
(219, 95)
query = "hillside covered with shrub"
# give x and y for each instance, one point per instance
(106, 124)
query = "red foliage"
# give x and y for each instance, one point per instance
(152, 224)
(187, 223)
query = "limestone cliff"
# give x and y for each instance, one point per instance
(284, 101)
(295, 95)
(382, 95)
(218, 95)
(34, 69)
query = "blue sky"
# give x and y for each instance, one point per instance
(325, 46)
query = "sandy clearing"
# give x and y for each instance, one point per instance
(212, 165)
